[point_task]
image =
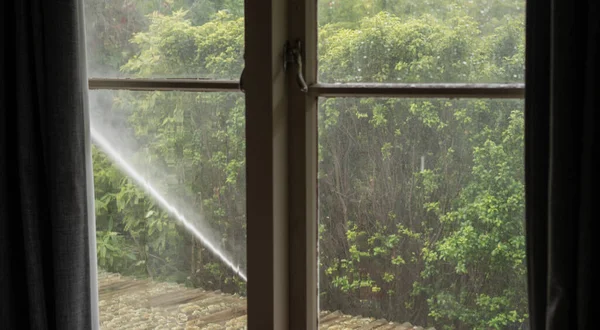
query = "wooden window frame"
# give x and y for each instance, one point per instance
(281, 153)
(388, 90)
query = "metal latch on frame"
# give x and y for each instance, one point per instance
(292, 54)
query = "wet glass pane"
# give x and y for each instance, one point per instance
(401, 41)
(170, 197)
(421, 213)
(165, 38)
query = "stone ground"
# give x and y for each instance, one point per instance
(127, 303)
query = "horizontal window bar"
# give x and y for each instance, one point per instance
(190, 85)
(509, 91)
(323, 90)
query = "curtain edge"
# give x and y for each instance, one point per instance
(91, 214)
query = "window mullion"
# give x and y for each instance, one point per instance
(302, 144)
(266, 165)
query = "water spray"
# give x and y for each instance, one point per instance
(162, 201)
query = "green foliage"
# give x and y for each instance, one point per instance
(174, 47)
(450, 233)
(386, 48)
(487, 238)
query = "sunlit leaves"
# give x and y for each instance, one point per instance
(489, 235)
(173, 46)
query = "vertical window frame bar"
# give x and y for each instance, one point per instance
(303, 251)
(266, 165)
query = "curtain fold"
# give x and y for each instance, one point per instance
(561, 105)
(47, 255)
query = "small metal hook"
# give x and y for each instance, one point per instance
(293, 55)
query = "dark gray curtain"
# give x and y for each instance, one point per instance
(47, 256)
(561, 137)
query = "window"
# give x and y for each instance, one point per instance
(169, 164)
(421, 200)
(390, 191)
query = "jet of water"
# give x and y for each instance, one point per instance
(161, 200)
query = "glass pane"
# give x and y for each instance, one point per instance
(421, 213)
(165, 38)
(403, 41)
(170, 195)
